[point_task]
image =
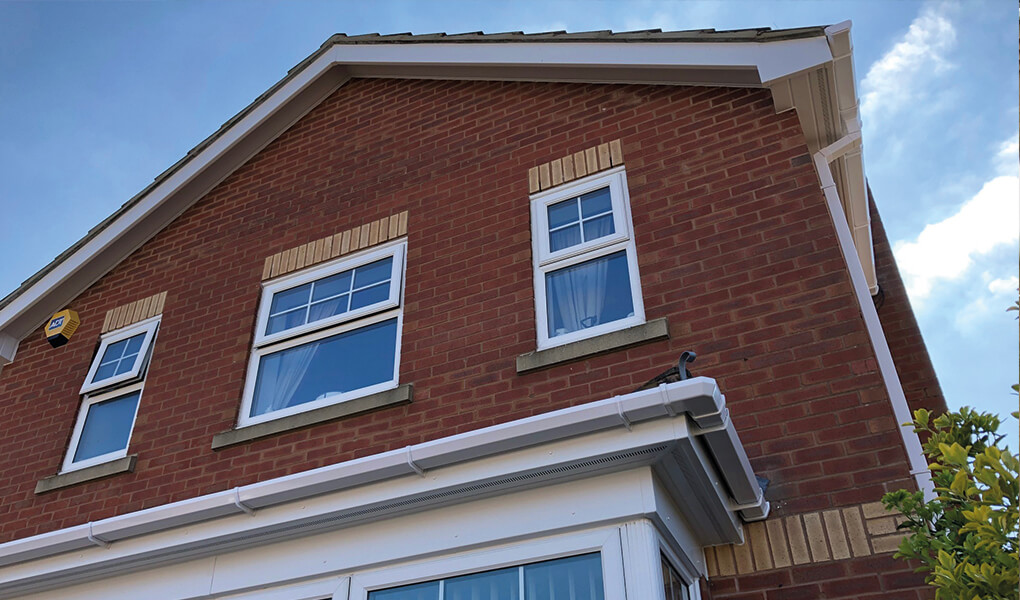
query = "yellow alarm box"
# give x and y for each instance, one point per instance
(61, 327)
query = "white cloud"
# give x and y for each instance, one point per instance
(1007, 161)
(987, 306)
(897, 78)
(1004, 285)
(947, 249)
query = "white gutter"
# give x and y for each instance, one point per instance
(911, 443)
(698, 398)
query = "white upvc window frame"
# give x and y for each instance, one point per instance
(391, 307)
(605, 542)
(546, 261)
(87, 403)
(147, 327)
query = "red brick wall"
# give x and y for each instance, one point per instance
(734, 243)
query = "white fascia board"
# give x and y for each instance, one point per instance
(621, 425)
(772, 59)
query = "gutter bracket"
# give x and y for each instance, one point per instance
(623, 417)
(244, 507)
(98, 542)
(410, 462)
(666, 404)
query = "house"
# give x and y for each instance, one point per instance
(411, 323)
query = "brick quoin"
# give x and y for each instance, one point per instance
(735, 246)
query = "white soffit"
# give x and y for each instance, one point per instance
(742, 64)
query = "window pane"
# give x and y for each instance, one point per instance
(341, 363)
(562, 213)
(286, 320)
(328, 308)
(589, 294)
(289, 299)
(418, 591)
(598, 227)
(375, 272)
(106, 371)
(595, 203)
(126, 364)
(332, 286)
(564, 238)
(493, 585)
(371, 295)
(134, 344)
(107, 427)
(573, 578)
(672, 584)
(114, 351)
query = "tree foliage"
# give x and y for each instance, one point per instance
(966, 537)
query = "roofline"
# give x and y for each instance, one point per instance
(752, 58)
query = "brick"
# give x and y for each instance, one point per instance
(714, 193)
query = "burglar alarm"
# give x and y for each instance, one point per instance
(61, 327)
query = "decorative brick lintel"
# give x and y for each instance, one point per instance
(139, 310)
(338, 244)
(574, 166)
(814, 537)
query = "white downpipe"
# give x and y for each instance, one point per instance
(912, 444)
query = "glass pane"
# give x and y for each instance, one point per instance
(595, 203)
(368, 296)
(114, 351)
(493, 585)
(598, 227)
(672, 584)
(328, 308)
(564, 238)
(417, 591)
(562, 213)
(286, 320)
(134, 344)
(332, 286)
(126, 364)
(105, 371)
(576, 577)
(371, 273)
(289, 299)
(327, 367)
(107, 427)
(588, 294)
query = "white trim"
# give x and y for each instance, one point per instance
(310, 332)
(873, 325)
(545, 262)
(604, 541)
(147, 327)
(87, 403)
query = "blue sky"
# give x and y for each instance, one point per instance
(97, 98)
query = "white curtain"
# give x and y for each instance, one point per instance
(579, 292)
(281, 375)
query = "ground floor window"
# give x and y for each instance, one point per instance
(571, 578)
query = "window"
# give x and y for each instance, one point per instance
(122, 356)
(586, 275)
(113, 389)
(571, 578)
(672, 584)
(326, 335)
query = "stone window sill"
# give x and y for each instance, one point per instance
(616, 340)
(106, 469)
(401, 394)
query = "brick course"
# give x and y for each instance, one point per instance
(734, 244)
